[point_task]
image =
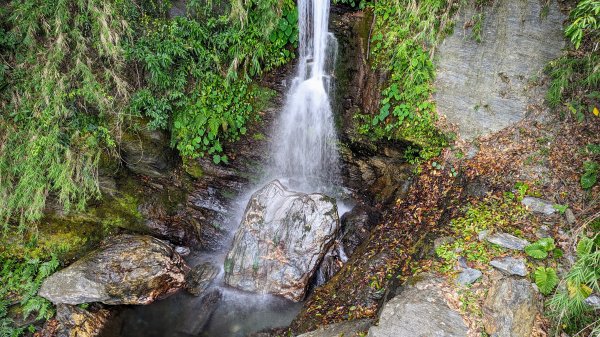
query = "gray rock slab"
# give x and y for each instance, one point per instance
(468, 276)
(507, 241)
(510, 265)
(538, 205)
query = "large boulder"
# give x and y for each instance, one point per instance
(126, 269)
(510, 308)
(419, 310)
(281, 240)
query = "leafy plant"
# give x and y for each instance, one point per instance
(546, 279)
(585, 19)
(540, 248)
(403, 41)
(590, 174)
(567, 306)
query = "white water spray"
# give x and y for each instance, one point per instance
(305, 144)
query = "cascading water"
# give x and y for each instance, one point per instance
(305, 144)
(305, 158)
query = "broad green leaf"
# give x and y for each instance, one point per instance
(546, 279)
(536, 251)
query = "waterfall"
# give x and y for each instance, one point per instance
(305, 150)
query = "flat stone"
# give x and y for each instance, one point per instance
(468, 276)
(419, 310)
(483, 235)
(510, 265)
(538, 205)
(346, 328)
(507, 241)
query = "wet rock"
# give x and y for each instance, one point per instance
(419, 310)
(160, 224)
(126, 269)
(197, 317)
(510, 265)
(507, 241)
(485, 87)
(332, 262)
(346, 328)
(200, 277)
(510, 308)
(72, 321)
(537, 205)
(148, 153)
(468, 276)
(357, 225)
(182, 251)
(281, 240)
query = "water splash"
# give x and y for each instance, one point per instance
(305, 149)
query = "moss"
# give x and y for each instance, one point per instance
(193, 168)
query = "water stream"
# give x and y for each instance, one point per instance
(304, 158)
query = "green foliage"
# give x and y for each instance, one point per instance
(405, 35)
(488, 215)
(585, 21)
(567, 306)
(540, 249)
(590, 174)
(353, 3)
(546, 279)
(21, 278)
(185, 60)
(575, 75)
(62, 101)
(65, 86)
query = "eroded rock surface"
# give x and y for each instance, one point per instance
(281, 240)
(510, 308)
(126, 269)
(346, 328)
(487, 86)
(419, 310)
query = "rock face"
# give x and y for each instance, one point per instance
(419, 310)
(357, 225)
(148, 153)
(200, 277)
(282, 239)
(487, 86)
(127, 269)
(510, 308)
